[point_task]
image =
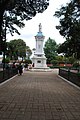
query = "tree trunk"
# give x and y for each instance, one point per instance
(3, 8)
(1, 20)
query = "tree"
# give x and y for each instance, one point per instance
(60, 59)
(65, 49)
(50, 50)
(17, 48)
(28, 52)
(69, 18)
(17, 11)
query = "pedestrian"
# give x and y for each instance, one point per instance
(7, 66)
(13, 66)
(26, 66)
(33, 65)
(20, 69)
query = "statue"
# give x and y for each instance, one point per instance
(40, 27)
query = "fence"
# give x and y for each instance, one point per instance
(70, 76)
(7, 73)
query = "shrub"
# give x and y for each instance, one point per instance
(76, 64)
(6, 60)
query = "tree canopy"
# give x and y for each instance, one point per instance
(13, 12)
(69, 27)
(50, 48)
(17, 48)
(28, 52)
(69, 18)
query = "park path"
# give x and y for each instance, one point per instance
(39, 96)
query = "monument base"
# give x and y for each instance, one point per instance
(41, 69)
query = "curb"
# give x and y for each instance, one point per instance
(69, 82)
(7, 80)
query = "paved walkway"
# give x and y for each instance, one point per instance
(39, 96)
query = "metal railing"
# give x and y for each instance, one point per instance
(73, 77)
(7, 73)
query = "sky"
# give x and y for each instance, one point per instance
(48, 22)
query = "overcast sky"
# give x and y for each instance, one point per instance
(48, 22)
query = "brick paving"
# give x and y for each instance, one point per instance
(39, 96)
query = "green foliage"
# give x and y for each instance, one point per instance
(17, 11)
(54, 62)
(69, 18)
(28, 61)
(69, 48)
(60, 58)
(7, 60)
(71, 59)
(28, 52)
(17, 48)
(76, 64)
(64, 59)
(50, 50)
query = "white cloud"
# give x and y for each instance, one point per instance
(48, 22)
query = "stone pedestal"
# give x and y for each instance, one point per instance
(39, 61)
